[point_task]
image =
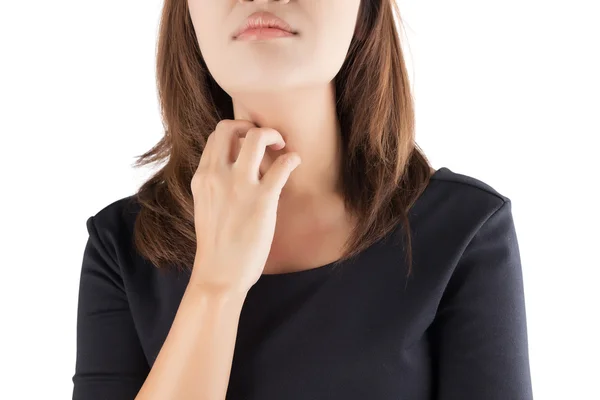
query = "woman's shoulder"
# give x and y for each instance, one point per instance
(118, 212)
(452, 181)
(113, 223)
(459, 199)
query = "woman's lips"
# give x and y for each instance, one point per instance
(263, 25)
(263, 33)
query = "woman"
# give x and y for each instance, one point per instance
(236, 272)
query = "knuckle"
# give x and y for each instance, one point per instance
(210, 139)
(205, 179)
(223, 124)
(219, 134)
(262, 135)
(254, 134)
(284, 161)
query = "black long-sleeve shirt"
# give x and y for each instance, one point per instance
(455, 329)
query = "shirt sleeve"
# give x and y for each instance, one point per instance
(479, 334)
(110, 363)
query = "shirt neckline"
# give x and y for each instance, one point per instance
(329, 266)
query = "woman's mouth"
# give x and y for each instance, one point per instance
(263, 25)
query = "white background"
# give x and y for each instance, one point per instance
(507, 92)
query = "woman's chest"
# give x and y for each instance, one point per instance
(324, 352)
(340, 336)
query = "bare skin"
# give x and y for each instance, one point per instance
(308, 239)
(309, 236)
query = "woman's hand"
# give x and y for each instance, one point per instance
(235, 208)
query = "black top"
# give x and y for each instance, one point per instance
(455, 329)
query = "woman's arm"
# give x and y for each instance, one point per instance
(234, 217)
(480, 331)
(110, 363)
(195, 360)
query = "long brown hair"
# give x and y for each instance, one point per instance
(383, 171)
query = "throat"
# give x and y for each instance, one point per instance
(301, 244)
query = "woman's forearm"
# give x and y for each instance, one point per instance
(195, 359)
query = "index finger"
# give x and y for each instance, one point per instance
(218, 149)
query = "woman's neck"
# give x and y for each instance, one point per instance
(308, 122)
